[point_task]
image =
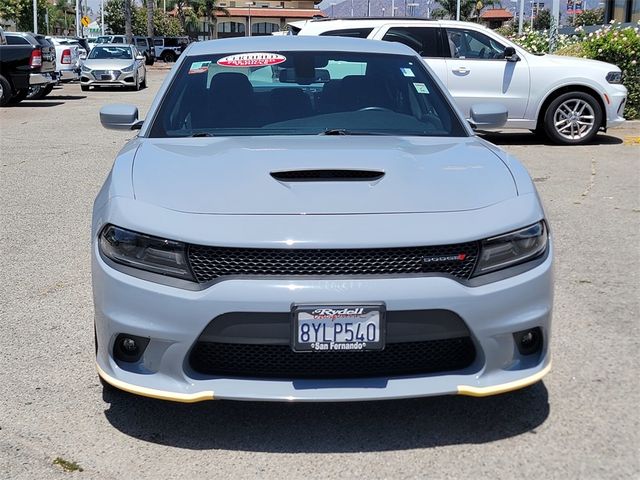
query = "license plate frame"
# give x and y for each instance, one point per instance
(343, 312)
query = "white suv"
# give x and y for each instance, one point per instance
(568, 98)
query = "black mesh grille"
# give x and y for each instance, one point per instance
(279, 361)
(209, 263)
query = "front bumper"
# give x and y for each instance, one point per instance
(614, 101)
(173, 319)
(118, 79)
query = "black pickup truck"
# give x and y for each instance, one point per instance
(25, 60)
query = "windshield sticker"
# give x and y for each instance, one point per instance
(407, 72)
(259, 59)
(421, 88)
(199, 67)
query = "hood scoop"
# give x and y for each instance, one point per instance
(331, 175)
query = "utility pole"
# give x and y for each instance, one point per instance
(520, 17)
(77, 18)
(35, 16)
(458, 10)
(101, 17)
(393, 8)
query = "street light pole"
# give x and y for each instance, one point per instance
(35, 16)
(102, 16)
(458, 10)
(77, 18)
(249, 4)
(520, 17)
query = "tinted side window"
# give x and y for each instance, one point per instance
(118, 40)
(11, 40)
(170, 42)
(472, 44)
(424, 40)
(141, 42)
(350, 32)
(157, 42)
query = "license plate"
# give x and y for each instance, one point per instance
(105, 77)
(338, 328)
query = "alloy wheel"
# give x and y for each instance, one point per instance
(574, 119)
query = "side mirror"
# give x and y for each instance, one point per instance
(119, 116)
(139, 57)
(488, 115)
(510, 55)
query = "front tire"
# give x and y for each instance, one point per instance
(573, 118)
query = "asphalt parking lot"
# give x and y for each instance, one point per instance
(582, 421)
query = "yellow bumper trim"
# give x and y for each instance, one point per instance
(152, 392)
(505, 387)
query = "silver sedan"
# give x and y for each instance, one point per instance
(114, 65)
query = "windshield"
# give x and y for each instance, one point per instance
(119, 53)
(304, 93)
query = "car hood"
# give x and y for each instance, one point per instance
(107, 64)
(233, 175)
(580, 62)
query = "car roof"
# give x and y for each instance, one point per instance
(296, 43)
(323, 24)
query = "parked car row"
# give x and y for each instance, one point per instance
(167, 49)
(31, 65)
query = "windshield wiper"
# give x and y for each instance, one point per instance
(344, 131)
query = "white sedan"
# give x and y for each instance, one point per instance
(114, 66)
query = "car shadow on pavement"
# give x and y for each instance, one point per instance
(329, 427)
(510, 138)
(37, 103)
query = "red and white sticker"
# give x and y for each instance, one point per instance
(258, 59)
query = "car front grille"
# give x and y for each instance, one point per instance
(211, 263)
(112, 74)
(279, 361)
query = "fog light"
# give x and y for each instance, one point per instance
(129, 348)
(529, 341)
(129, 344)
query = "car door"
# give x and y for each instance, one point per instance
(477, 72)
(424, 39)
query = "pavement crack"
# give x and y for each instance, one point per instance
(592, 179)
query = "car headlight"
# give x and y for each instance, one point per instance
(84, 68)
(136, 250)
(512, 248)
(614, 77)
(128, 69)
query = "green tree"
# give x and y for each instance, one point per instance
(542, 21)
(21, 12)
(209, 9)
(448, 9)
(594, 16)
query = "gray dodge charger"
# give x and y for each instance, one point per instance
(312, 219)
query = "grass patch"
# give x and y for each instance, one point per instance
(67, 466)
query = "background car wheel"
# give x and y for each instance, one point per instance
(573, 118)
(5, 91)
(136, 84)
(169, 56)
(84, 88)
(39, 92)
(143, 84)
